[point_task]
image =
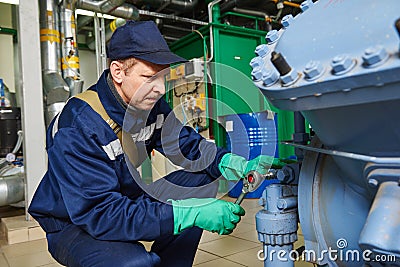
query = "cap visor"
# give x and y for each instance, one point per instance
(162, 58)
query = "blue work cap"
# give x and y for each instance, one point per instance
(142, 40)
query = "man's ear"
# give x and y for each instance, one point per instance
(116, 71)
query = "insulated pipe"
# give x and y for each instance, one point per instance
(126, 11)
(56, 91)
(49, 36)
(69, 51)
(104, 6)
(117, 8)
(11, 189)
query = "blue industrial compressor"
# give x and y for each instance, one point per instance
(337, 63)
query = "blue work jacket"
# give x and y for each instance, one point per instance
(88, 182)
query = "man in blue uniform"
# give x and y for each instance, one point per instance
(91, 202)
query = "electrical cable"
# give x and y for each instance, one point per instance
(19, 142)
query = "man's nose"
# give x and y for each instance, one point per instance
(159, 87)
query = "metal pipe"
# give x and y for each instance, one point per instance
(183, 6)
(179, 6)
(69, 49)
(117, 8)
(49, 36)
(227, 6)
(170, 38)
(126, 11)
(171, 17)
(70, 55)
(251, 12)
(54, 87)
(11, 189)
(210, 20)
(104, 6)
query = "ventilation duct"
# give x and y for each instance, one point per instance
(116, 8)
(104, 6)
(11, 189)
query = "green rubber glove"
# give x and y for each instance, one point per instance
(206, 213)
(234, 167)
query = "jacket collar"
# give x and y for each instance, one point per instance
(114, 109)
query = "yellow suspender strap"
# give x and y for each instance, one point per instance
(92, 98)
(130, 149)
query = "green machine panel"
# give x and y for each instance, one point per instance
(234, 48)
(233, 89)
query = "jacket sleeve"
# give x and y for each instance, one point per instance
(92, 191)
(185, 147)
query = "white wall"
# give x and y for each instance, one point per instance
(87, 60)
(7, 48)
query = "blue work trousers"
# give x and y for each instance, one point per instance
(74, 247)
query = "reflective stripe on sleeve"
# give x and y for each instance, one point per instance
(113, 149)
(55, 126)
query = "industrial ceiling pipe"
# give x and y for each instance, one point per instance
(117, 8)
(179, 5)
(104, 6)
(126, 11)
(251, 12)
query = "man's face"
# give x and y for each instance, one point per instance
(143, 84)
